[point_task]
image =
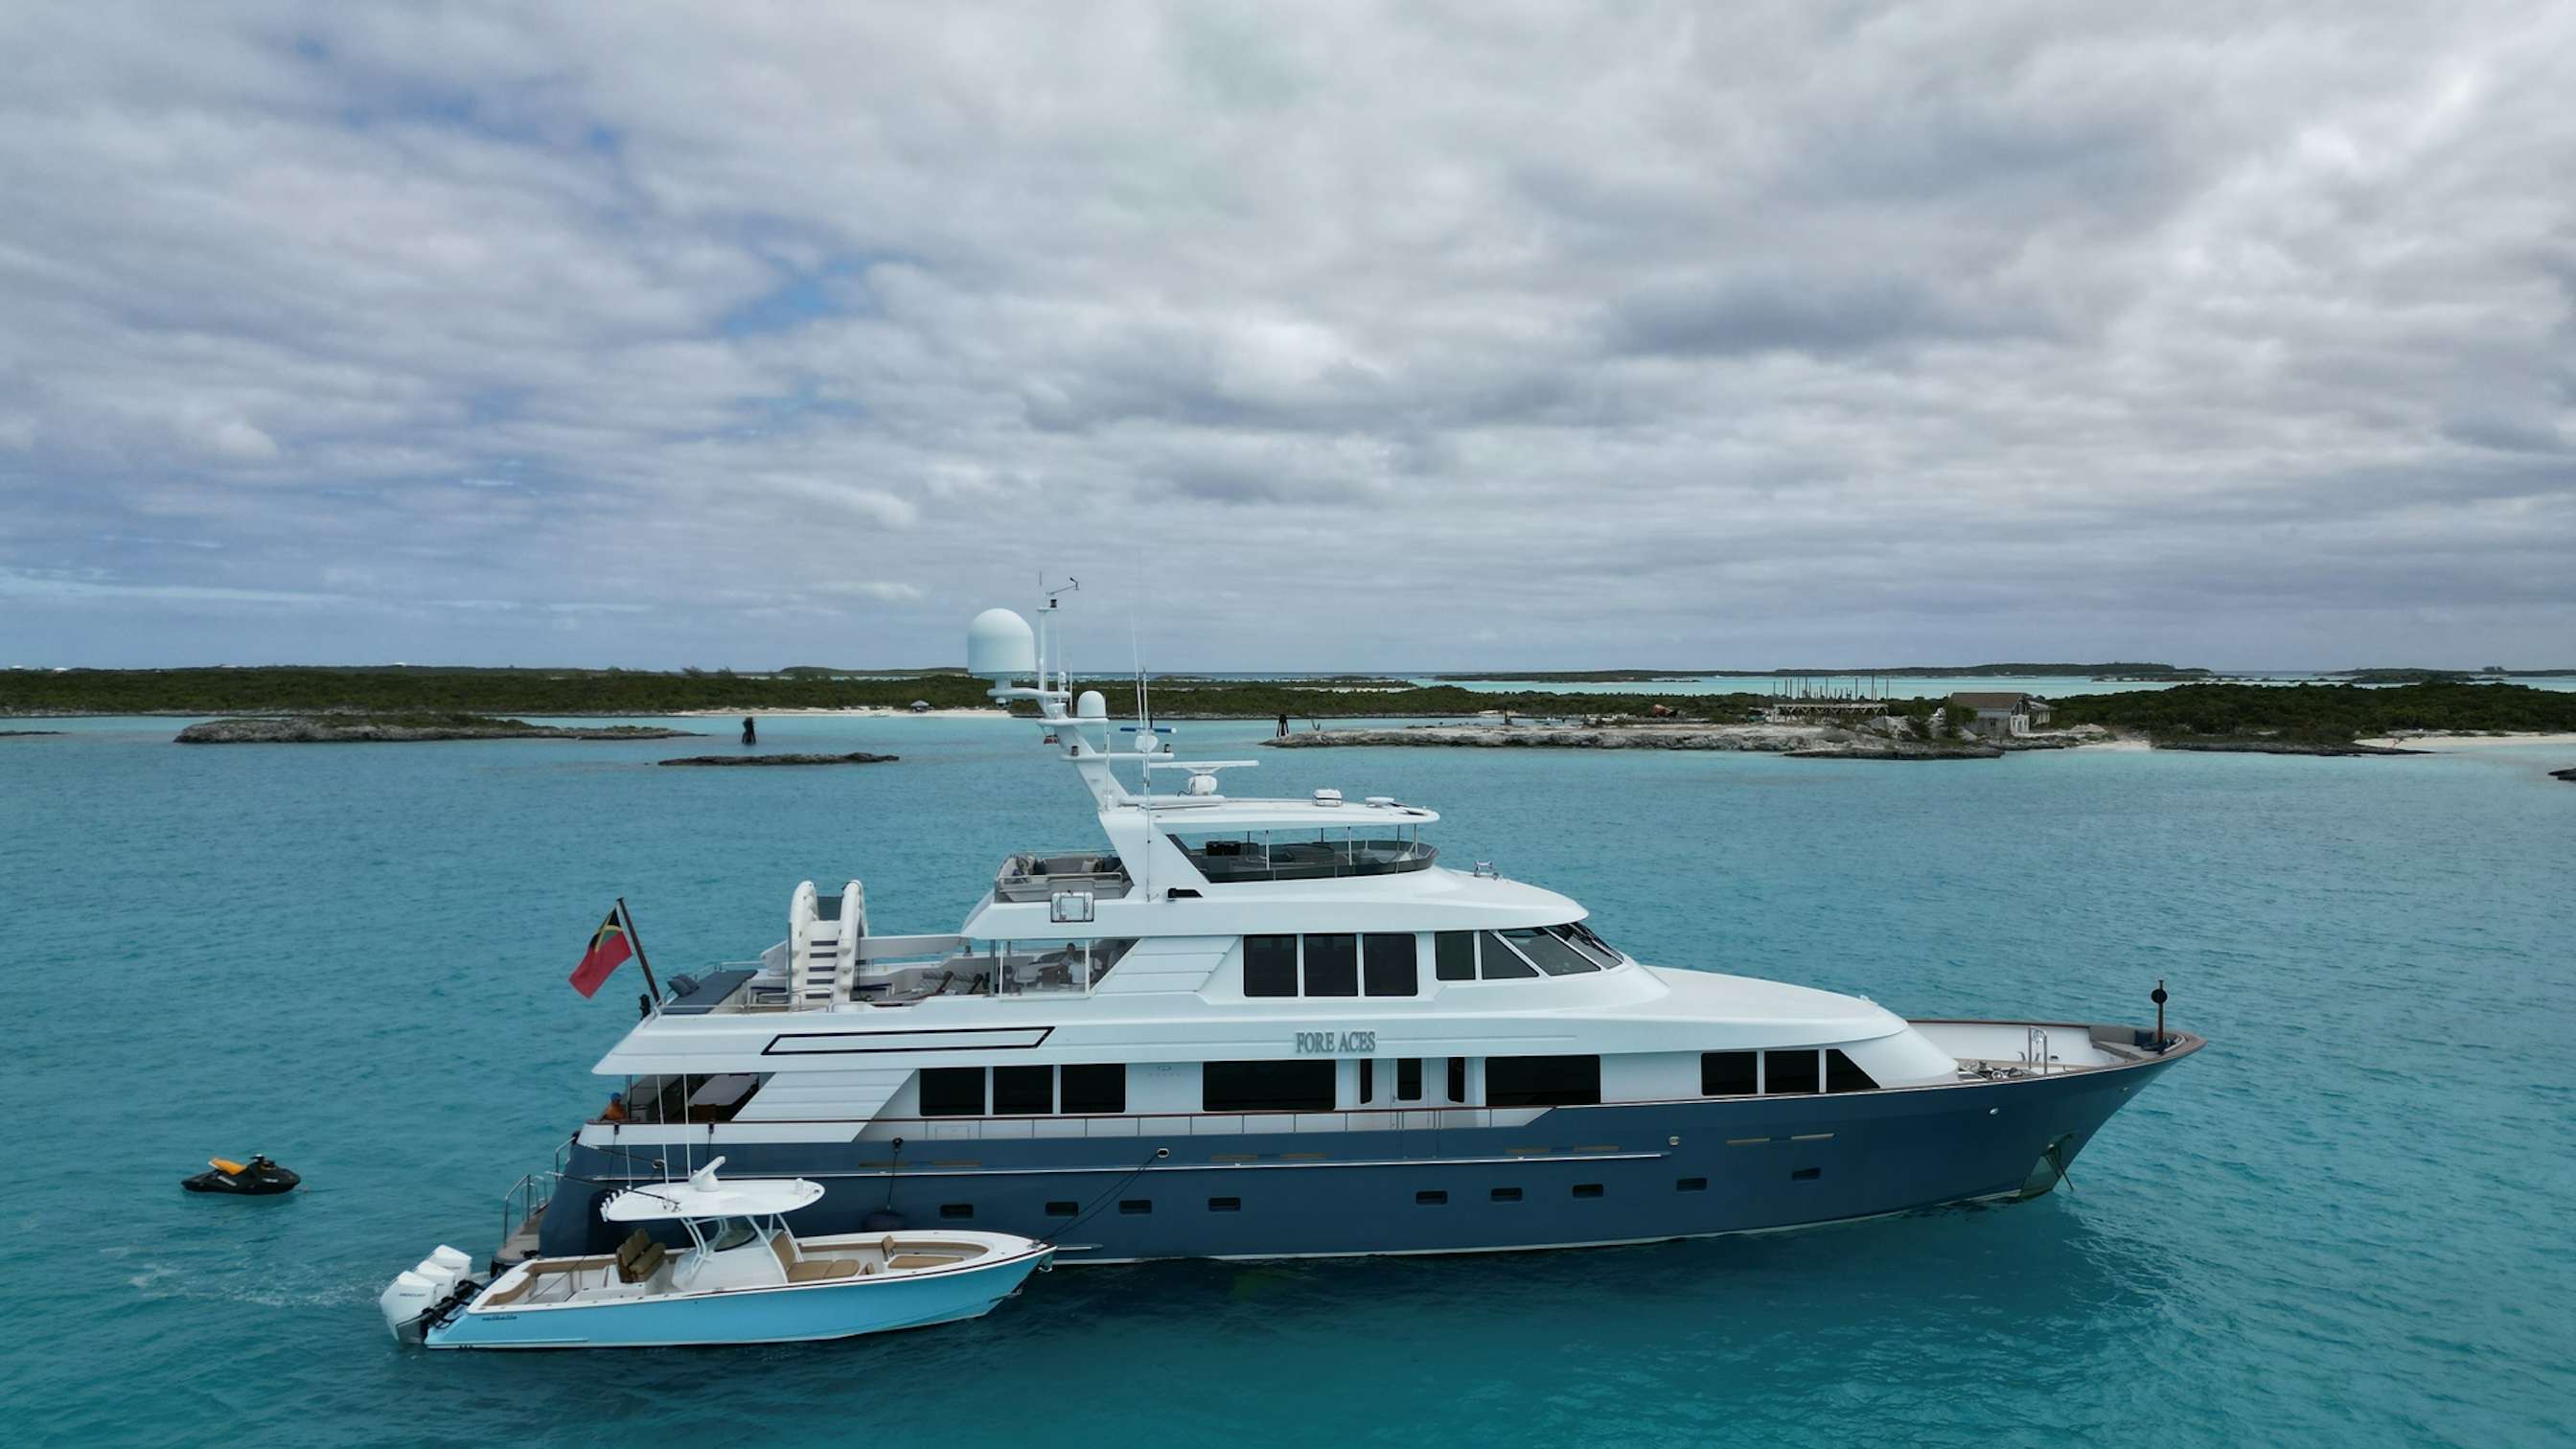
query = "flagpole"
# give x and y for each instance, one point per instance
(637, 942)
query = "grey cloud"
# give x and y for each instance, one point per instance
(1754, 332)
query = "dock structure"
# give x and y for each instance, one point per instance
(1798, 697)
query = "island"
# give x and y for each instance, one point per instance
(2318, 719)
(333, 729)
(25, 734)
(1876, 740)
(855, 757)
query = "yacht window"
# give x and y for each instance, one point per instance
(1408, 1079)
(1266, 1086)
(1454, 955)
(1588, 936)
(1789, 1073)
(1095, 1090)
(1551, 955)
(732, 1233)
(1502, 963)
(1458, 1080)
(1542, 1081)
(1589, 944)
(1727, 1074)
(1368, 1080)
(1390, 962)
(952, 1092)
(1333, 965)
(1023, 1091)
(1842, 1074)
(1269, 965)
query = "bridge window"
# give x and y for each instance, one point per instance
(1391, 965)
(1550, 953)
(1305, 1086)
(1269, 965)
(1789, 1073)
(1842, 1074)
(1542, 1081)
(1501, 962)
(952, 1092)
(1332, 965)
(1582, 938)
(1727, 1074)
(1454, 955)
(1023, 1091)
(1095, 1090)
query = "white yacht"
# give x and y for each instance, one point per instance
(1251, 1028)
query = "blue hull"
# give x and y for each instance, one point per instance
(1577, 1176)
(772, 1315)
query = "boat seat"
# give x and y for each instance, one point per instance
(821, 1270)
(920, 1260)
(639, 1256)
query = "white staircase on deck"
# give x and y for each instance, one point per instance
(823, 948)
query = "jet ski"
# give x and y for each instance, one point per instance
(258, 1177)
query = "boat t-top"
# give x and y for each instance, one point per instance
(1242, 1027)
(743, 1277)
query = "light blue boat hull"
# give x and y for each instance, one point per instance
(792, 1314)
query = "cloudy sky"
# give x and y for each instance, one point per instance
(1307, 336)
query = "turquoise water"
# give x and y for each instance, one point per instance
(2345, 1223)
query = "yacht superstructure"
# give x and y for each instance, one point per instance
(1264, 1027)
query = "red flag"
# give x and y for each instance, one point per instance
(608, 947)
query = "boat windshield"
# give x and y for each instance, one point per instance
(1251, 855)
(731, 1233)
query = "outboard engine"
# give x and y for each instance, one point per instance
(421, 1298)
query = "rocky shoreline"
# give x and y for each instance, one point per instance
(855, 757)
(324, 729)
(2282, 747)
(1802, 742)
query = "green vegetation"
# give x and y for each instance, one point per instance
(401, 689)
(2122, 669)
(559, 692)
(2321, 712)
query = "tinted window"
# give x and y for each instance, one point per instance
(1788, 1073)
(1454, 955)
(1690, 1184)
(1269, 965)
(952, 1092)
(1368, 1081)
(1225, 1204)
(1587, 1189)
(1096, 1090)
(1542, 1081)
(1063, 1209)
(1506, 1194)
(1552, 955)
(1842, 1074)
(1457, 1079)
(1408, 1079)
(1266, 1086)
(1726, 1074)
(1391, 971)
(1023, 1091)
(1136, 1206)
(1501, 964)
(1586, 941)
(956, 1211)
(1432, 1198)
(1332, 965)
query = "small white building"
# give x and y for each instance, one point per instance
(1999, 713)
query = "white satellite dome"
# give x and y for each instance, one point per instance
(1000, 646)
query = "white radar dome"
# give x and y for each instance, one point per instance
(1000, 646)
(1091, 706)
